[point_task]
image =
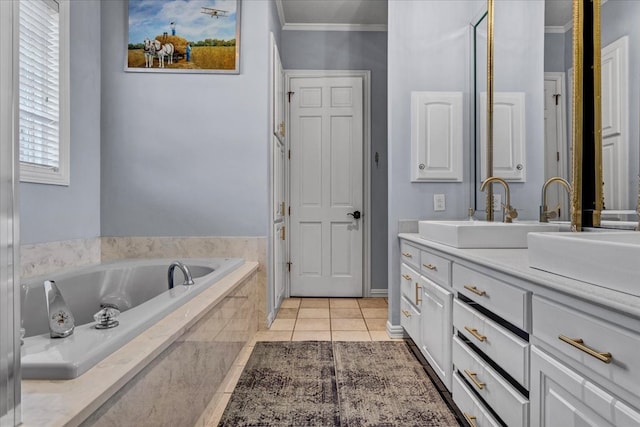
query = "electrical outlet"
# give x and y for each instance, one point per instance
(497, 202)
(439, 202)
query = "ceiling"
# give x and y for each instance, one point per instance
(362, 15)
(371, 15)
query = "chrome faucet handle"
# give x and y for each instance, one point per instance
(107, 316)
(61, 321)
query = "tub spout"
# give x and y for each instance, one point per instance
(188, 280)
(61, 321)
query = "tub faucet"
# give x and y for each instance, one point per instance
(510, 213)
(544, 213)
(61, 321)
(188, 280)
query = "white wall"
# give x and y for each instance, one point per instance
(355, 50)
(51, 213)
(185, 154)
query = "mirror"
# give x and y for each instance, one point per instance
(517, 154)
(479, 84)
(620, 92)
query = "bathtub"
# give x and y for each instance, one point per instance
(138, 287)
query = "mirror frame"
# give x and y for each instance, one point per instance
(587, 198)
(489, 149)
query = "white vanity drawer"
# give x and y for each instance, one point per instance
(474, 411)
(505, 400)
(560, 396)
(410, 284)
(410, 320)
(436, 268)
(410, 254)
(552, 320)
(508, 350)
(503, 299)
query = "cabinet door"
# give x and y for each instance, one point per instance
(278, 180)
(278, 93)
(410, 320)
(562, 397)
(437, 329)
(436, 136)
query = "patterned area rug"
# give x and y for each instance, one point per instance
(323, 383)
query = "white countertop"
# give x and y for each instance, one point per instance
(515, 262)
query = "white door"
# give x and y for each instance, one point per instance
(326, 186)
(615, 151)
(554, 141)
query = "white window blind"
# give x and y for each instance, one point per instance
(40, 95)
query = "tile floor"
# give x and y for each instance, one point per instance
(312, 319)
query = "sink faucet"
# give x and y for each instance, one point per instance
(544, 213)
(188, 280)
(509, 213)
(61, 321)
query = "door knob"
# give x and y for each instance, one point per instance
(355, 214)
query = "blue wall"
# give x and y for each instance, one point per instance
(185, 154)
(50, 212)
(354, 50)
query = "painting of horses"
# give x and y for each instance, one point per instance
(183, 36)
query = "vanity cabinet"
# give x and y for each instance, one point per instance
(525, 348)
(490, 346)
(426, 306)
(585, 368)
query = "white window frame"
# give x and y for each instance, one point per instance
(61, 174)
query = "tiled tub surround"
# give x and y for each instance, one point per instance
(45, 258)
(172, 371)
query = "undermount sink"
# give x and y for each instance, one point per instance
(481, 234)
(607, 259)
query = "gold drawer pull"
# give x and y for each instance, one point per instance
(418, 299)
(470, 419)
(407, 254)
(406, 277)
(475, 290)
(430, 267)
(474, 378)
(406, 313)
(474, 332)
(579, 344)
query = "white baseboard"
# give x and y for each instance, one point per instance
(395, 331)
(378, 293)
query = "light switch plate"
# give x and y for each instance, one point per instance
(439, 202)
(497, 202)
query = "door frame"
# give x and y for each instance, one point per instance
(366, 169)
(562, 118)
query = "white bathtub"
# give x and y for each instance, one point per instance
(138, 287)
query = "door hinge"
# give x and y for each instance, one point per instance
(289, 155)
(289, 94)
(282, 233)
(289, 210)
(557, 156)
(289, 266)
(282, 208)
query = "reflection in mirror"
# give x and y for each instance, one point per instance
(518, 148)
(558, 69)
(620, 41)
(480, 86)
